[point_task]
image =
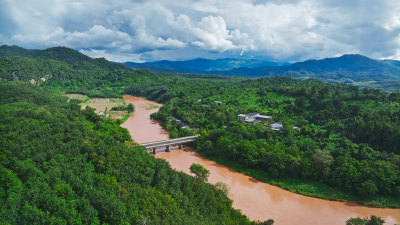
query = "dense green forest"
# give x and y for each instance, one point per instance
(63, 165)
(347, 148)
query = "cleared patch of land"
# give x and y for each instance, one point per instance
(101, 104)
(77, 96)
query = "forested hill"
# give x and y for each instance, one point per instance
(65, 69)
(63, 165)
(63, 54)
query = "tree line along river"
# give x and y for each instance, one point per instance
(257, 200)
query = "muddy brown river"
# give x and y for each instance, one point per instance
(257, 200)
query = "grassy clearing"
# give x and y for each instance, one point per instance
(79, 97)
(101, 104)
(309, 188)
(151, 106)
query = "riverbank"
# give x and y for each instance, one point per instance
(256, 199)
(307, 188)
(259, 200)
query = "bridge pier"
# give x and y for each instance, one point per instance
(180, 146)
(154, 151)
(167, 148)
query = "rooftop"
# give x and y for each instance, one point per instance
(264, 117)
(253, 114)
(276, 126)
(249, 120)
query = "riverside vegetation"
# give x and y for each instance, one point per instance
(347, 148)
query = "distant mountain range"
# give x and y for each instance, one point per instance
(200, 65)
(353, 69)
(343, 64)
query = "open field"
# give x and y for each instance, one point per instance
(76, 96)
(100, 104)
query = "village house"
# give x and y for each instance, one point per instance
(276, 126)
(103, 114)
(254, 118)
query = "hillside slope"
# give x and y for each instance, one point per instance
(62, 54)
(65, 69)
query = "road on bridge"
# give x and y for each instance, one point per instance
(167, 143)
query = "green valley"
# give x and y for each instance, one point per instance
(337, 141)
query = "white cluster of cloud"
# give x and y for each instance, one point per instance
(135, 30)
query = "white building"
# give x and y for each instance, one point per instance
(276, 126)
(255, 118)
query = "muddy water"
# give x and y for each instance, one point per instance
(140, 126)
(261, 201)
(257, 200)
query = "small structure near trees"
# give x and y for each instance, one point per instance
(276, 126)
(254, 118)
(104, 114)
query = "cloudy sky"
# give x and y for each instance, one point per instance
(139, 30)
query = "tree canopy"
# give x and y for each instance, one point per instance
(200, 172)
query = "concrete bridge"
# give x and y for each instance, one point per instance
(167, 143)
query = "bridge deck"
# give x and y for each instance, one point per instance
(174, 141)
